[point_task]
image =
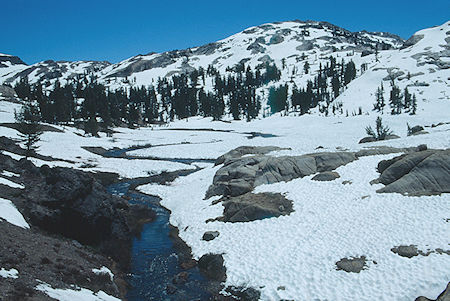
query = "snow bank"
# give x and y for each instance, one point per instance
(104, 270)
(10, 213)
(12, 273)
(80, 294)
(331, 221)
(10, 183)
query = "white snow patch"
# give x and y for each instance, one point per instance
(10, 213)
(12, 273)
(10, 183)
(104, 270)
(79, 294)
(9, 174)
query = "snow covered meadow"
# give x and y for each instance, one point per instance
(288, 257)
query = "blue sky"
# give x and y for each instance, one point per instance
(115, 30)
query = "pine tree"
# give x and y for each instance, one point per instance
(28, 125)
(379, 102)
(413, 105)
(395, 100)
(381, 130)
(306, 67)
(407, 100)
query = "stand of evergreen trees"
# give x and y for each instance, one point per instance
(398, 101)
(85, 101)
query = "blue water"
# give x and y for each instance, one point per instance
(117, 153)
(154, 261)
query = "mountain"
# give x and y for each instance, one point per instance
(254, 46)
(421, 62)
(47, 71)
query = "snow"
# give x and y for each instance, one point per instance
(331, 221)
(104, 270)
(10, 183)
(10, 213)
(9, 174)
(12, 273)
(80, 294)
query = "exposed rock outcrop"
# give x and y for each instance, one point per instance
(210, 235)
(352, 265)
(250, 207)
(55, 261)
(241, 175)
(73, 204)
(326, 176)
(211, 265)
(245, 150)
(420, 173)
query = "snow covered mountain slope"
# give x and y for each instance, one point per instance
(269, 42)
(422, 65)
(293, 42)
(46, 72)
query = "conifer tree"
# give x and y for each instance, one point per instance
(407, 100)
(28, 125)
(379, 102)
(413, 105)
(395, 100)
(306, 67)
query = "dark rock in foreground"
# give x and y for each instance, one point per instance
(251, 207)
(55, 261)
(244, 294)
(241, 175)
(406, 251)
(211, 265)
(210, 235)
(352, 265)
(420, 173)
(326, 176)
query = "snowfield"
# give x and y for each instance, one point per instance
(290, 257)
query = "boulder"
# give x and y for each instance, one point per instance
(73, 204)
(244, 294)
(352, 265)
(211, 265)
(420, 173)
(276, 39)
(367, 139)
(241, 175)
(210, 235)
(412, 40)
(406, 251)
(7, 93)
(390, 137)
(251, 207)
(332, 160)
(245, 150)
(326, 176)
(415, 129)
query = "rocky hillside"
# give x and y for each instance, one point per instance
(253, 46)
(422, 62)
(13, 68)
